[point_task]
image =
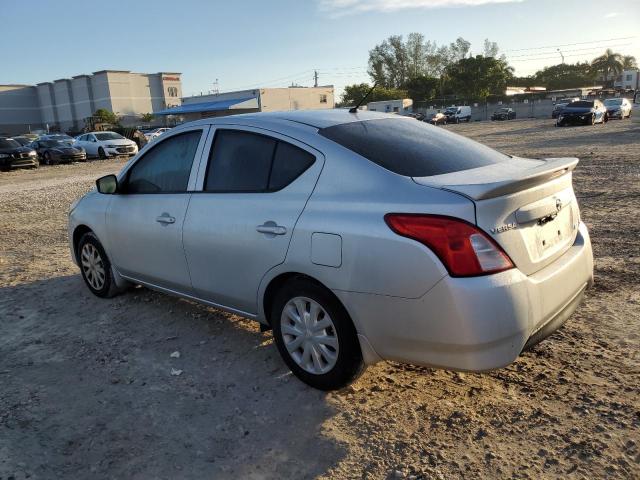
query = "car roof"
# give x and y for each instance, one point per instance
(312, 118)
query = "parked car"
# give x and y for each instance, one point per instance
(13, 155)
(458, 114)
(504, 113)
(560, 104)
(461, 264)
(24, 141)
(618, 107)
(155, 133)
(107, 144)
(52, 152)
(438, 119)
(583, 112)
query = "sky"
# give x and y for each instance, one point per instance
(274, 43)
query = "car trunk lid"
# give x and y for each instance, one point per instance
(527, 206)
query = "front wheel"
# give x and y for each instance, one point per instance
(47, 158)
(95, 266)
(101, 153)
(315, 336)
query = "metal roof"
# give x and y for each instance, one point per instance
(228, 104)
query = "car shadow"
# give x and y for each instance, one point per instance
(90, 389)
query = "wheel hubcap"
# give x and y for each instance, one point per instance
(92, 266)
(309, 335)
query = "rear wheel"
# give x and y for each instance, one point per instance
(95, 266)
(315, 335)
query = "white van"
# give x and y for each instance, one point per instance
(458, 114)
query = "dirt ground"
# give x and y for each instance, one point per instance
(86, 389)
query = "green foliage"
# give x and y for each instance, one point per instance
(422, 88)
(147, 117)
(478, 77)
(354, 93)
(103, 115)
(629, 62)
(608, 64)
(562, 76)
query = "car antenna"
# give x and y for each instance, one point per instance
(355, 109)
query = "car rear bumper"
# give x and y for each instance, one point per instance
(479, 323)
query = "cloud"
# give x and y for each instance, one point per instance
(340, 8)
(611, 15)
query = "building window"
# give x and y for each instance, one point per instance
(173, 91)
(323, 98)
(628, 77)
(395, 109)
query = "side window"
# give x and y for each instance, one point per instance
(239, 162)
(166, 167)
(248, 162)
(289, 163)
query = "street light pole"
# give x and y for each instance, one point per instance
(561, 55)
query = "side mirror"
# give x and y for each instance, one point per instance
(107, 184)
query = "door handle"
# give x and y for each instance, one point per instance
(165, 219)
(271, 228)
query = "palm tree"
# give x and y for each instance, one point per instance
(609, 63)
(629, 62)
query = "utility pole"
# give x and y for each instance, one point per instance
(561, 55)
(315, 78)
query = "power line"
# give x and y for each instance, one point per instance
(571, 44)
(572, 50)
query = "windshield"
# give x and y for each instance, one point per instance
(581, 104)
(53, 143)
(411, 148)
(22, 140)
(108, 136)
(452, 109)
(613, 101)
(8, 143)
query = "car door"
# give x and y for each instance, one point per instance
(253, 187)
(144, 220)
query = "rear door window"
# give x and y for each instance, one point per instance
(412, 148)
(242, 161)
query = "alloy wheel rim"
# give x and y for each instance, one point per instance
(309, 335)
(92, 266)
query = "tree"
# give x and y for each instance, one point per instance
(610, 63)
(103, 115)
(564, 76)
(629, 62)
(478, 77)
(490, 49)
(354, 93)
(422, 87)
(147, 117)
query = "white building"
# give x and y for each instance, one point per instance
(256, 100)
(629, 80)
(403, 106)
(65, 103)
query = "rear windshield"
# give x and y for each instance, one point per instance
(580, 104)
(412, 148)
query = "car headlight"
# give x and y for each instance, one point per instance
(32, 153)
(4, 155)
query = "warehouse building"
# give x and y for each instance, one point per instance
(249, 101)
(65, 104)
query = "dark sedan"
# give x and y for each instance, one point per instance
(56, 151)
(504, 114)
(13, 155)
(24, 141)
(583, 112)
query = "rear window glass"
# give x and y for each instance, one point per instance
(581, 104)
(412, 148)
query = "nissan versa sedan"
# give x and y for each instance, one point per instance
(356, 237)
(618, 108)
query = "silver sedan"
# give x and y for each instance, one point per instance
(356, 237)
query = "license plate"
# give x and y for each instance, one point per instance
(555, 232)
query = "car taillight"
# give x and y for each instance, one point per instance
(464, 249)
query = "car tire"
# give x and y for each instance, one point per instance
(46, 158)
(326, 357)
(593, 119)
(95, 266)
(101, 153)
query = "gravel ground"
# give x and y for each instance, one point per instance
(86, 389)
